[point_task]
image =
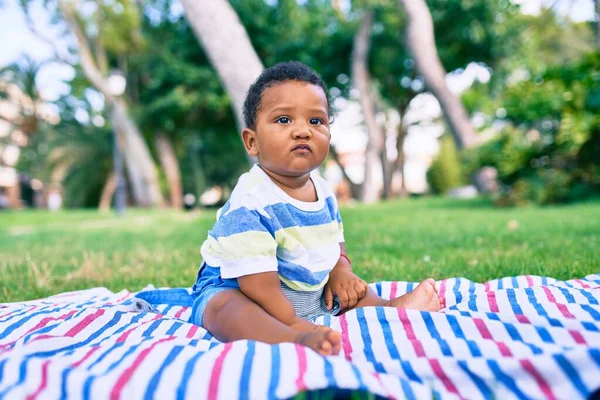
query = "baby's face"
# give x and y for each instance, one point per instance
(292, 128)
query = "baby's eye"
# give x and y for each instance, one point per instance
(283, 120)
(316, 121)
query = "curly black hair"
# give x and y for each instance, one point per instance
(279, 73)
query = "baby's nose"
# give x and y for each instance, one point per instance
(302, 132)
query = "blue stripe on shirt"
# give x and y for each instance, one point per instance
(298, 273)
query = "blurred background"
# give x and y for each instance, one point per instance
(466, 139)
(120, 103)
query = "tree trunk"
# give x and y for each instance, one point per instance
(170, 165)
(360, 75)
(386, 172)
(107, 193)
(386, 166)
(421, 43)
(199, 178)
(227, 46)
(401, 160)
(140, 167)
(143, 177)
(355, 189)
(598, 24)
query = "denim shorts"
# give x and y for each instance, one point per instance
(208, 284)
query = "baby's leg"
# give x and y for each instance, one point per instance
(230, 315)
(424, 297)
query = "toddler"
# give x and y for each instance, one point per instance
(275, 258)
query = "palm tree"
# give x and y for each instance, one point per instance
(21, 96)
(82, 159)
(77, 155)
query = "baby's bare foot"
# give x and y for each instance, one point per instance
(302, 325)
(325, 343)
(424, 297)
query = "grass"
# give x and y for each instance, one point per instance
(44, 253)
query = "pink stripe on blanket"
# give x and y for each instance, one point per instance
(543, 385)
(439, 372)
(86, 356)
(346, 346)
(561, 307)
(577, 337)
(123, 298)
(491, 297)
(393, 290)
(83, 324)
(126, 375)
(180, 312)
(410, 333)
(582, 284)
(302, 367)
(485, 333)
(213, 386)
(192, 332)
(442, 293)
(43, 383)
(529, 281)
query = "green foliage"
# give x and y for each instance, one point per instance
(119, 26)
(445, 172)
(473, 31)
(532, 102)
(549, 152)
(311, 31)
(547, 95)
(548, 39)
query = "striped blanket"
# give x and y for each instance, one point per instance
(519, 337)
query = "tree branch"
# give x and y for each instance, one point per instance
(88, 65)
(34, 31)
(99, 45)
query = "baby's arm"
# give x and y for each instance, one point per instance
(265, 290)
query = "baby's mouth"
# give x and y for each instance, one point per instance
(302, 148)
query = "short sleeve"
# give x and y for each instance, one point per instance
(241, 243)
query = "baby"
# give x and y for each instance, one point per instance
(275, 257)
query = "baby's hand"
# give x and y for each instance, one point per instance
(348, 288)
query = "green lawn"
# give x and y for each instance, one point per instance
(43, 253)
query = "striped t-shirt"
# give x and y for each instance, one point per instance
(261, 229)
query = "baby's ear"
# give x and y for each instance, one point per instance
(249, 138)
